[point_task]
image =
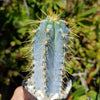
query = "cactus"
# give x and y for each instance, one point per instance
(49, 79)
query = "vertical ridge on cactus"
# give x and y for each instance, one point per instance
(49, 78)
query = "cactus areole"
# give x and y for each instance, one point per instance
(49, 79)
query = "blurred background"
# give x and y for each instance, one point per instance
(15, 27)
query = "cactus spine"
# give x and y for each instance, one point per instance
(49, 79)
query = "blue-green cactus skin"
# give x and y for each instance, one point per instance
(49, 79)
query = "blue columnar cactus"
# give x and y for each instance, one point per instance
(49, 79)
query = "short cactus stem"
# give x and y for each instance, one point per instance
(51, 80)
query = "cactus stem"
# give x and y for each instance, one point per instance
(50, 51)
